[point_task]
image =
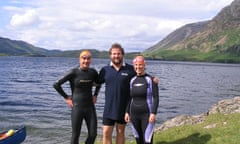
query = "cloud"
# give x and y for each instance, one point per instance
(76, 24)
(28, 18)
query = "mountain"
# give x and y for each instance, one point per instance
(20, 48)
(216, 40)
(10, 47)
(16, 48)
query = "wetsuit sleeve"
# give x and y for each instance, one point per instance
(128, 106)
(58, 84)
(97, 89)
(101, 76)
(98, 85)
(129, 100)
(155, 97)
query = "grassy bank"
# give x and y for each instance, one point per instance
(1, 54)
(216, 129)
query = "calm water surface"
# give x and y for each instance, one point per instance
(28, 98)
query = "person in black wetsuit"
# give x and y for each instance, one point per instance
(142, 108)
(82, 80)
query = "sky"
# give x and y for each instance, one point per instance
(97, 24)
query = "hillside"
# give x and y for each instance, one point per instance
(216, 40)
(14, 47)
(10, 47)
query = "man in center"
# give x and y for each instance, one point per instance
(116, 77)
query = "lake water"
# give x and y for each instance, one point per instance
(28, 98)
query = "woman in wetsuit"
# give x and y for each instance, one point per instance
(142, 107)
(82, 100)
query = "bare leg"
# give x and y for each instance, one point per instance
(107, 134)
(120, 129)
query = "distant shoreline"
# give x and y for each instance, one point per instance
(128, 57)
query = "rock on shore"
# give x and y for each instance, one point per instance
(227, 106)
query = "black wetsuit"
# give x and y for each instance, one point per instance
(144, 101)
(81, 83)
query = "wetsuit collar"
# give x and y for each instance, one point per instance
(83, 69)
(142, 75)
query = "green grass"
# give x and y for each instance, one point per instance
(227, 131)
(1, 54)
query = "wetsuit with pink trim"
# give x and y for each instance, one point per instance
(144, 101)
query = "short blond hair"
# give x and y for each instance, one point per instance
(85, 52)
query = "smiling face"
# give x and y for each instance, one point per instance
(139, 65)
(116, 56)
(85, 59)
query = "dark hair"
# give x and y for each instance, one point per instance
(117, 46)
